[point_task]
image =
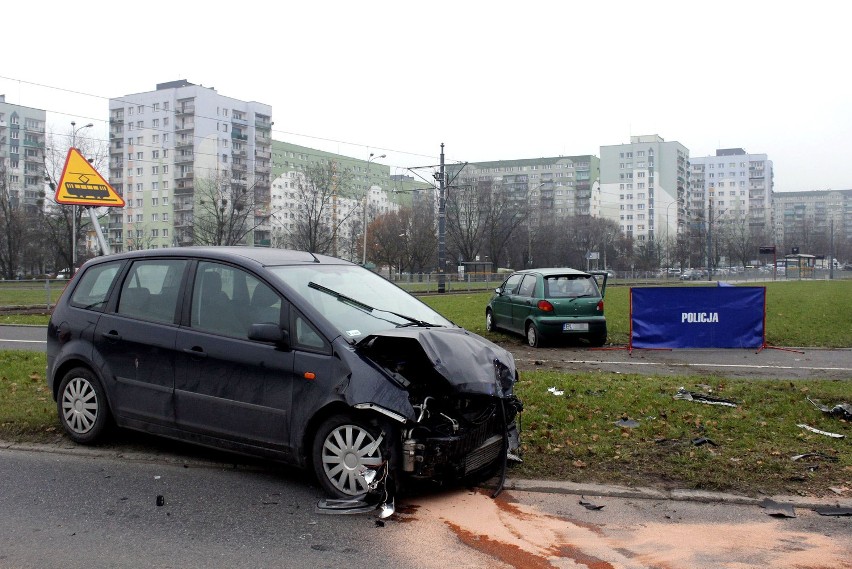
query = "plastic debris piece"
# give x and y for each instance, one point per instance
(348, 506)
(778, 510)
(682, 393)
(555, 391)
(698, 441)
(814, 455)
(160, 501)
(834, 511)
(627, 423)
(817, 431)
(589, 505)
(841, 410)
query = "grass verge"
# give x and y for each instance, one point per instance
(573, 436)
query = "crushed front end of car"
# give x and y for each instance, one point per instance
(461, 388)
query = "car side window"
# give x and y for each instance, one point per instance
(527, 287)
(306, 336)
(91, 292)
(150, 290)
(511, 284)
(220, 300)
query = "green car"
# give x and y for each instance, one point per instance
(550, 304)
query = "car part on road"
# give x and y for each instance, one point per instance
(777, 509)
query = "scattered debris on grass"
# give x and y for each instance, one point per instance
(778, 510)
(841, 410)
(555, 391)
(817, 431)
(814, 455)
(685, 395)
(698, 441)
(627, 423)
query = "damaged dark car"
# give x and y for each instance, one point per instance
(297, 357)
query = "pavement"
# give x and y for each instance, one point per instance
(526, 485)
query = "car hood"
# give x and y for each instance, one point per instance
(467, 361)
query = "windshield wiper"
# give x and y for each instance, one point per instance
(369, 309)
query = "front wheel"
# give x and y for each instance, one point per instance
(82, 406)
(342, 449)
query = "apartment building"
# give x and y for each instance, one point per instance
(22, 136)
(644, 187)
(806, 220)
(170, 147)
(553, 188)
(737, 185)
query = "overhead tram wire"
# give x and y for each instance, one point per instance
(164, 131)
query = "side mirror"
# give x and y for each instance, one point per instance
(270, 333)
(499, 290)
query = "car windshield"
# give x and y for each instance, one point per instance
(570, 286)
(356, 301)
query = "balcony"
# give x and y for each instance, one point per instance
(235, 135)
(179, 144)
(185, 126)
(185, 109)
(116, 120)
(263, 155)
(262, 169)
(184, 158)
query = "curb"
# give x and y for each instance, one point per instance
(522, 485)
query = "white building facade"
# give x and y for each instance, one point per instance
(644, 187)
(163, 142)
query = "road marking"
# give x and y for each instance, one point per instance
(677, 364)
(25, 341)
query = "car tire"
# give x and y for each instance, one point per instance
(533, 337)
(597, 340)
(490, 326)
(82, 406)
(342, 446)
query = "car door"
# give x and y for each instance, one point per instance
(501, 304)
(523, 302)
(226, 385)
(135, 342)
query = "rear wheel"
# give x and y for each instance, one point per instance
(597, 340)
(82, 406)
(533, 337)
(343, 447)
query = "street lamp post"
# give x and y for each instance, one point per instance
(74, 132)
(366, 199)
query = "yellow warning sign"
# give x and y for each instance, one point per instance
(82, 185)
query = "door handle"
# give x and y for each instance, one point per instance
(111, 335)
(196, 352)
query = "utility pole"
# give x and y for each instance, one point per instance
(831, 250)
(442, 224)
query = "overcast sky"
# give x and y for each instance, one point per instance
(492, 80)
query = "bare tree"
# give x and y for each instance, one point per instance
(503, 218)
(467, 215)
(318, 221)
(224, 211)
(12, 227)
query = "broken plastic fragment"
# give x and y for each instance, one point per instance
(589, 505)
(348, 506)
(387, 509)
(698, 441)
(814, 455)
(627, 423)
(555, 391)
(817, 431)
(834, 511)
(778, 510)
(841, 410)
(682, 393)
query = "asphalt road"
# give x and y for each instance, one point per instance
(60, 510)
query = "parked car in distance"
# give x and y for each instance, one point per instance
(298, 357)
(550, 304)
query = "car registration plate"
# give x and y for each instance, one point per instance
(575, 327)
